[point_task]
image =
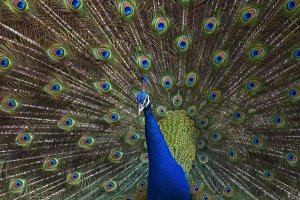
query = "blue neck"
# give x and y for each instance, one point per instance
(166, 178)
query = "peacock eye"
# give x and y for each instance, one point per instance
(132, 138)
(67, 123)
(161, 24)
(279, 121)
(57, 53)
(203, 122)
(195, 189)
(113, 117)
(144, 62)
(191, 111)
(54, 88)
(142, 185)
(232, 154)
(161, 111)
(214, 96)
(86, 142)
(103, 53)
(9, 105)
(205, 197)
(268, 175)
(24, 139)
(116, 156)
(167, 82)
(51, 164)
(292, 158)
(249, 15)
(219, 58)
(17, 185)
(291, 5)
(74, 178)
(183, 43)
(5, 63)
(201, 143)
(228, 191)
(257, 53)
(103, 86)
(19, 5)
(203, 158)
(144, 157)
(74, 4)
(216, 137)
(126, 9)
(294, 93)
(191, 79)
(296, 54)
(177, 100)
(211, 25)
(257, 142)
(109, 186)
(252, 85)
(239, 116)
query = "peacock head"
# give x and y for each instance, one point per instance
(142, 97)
(143, 101)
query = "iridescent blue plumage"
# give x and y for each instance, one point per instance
(166, 178)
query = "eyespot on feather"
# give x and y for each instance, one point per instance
(86, 142)
(268, 175)
(249, 15)
(109, 186)
(183, 43)
(9, 105)
(51, 164)
(74, 178)
(220, 58)
(24, 139)
(210, 25)
(19, 5)
(74, 5)
(57, 52)
(126, 9)
(161, 24)
(252, 85)
(191, 79)
(214, 96)
(116, 156)
(177, 100)
(17, 185)
(167, 82)
(67, 123)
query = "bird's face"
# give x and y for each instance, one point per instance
(142, 100)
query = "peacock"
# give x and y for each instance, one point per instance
(150, 99)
